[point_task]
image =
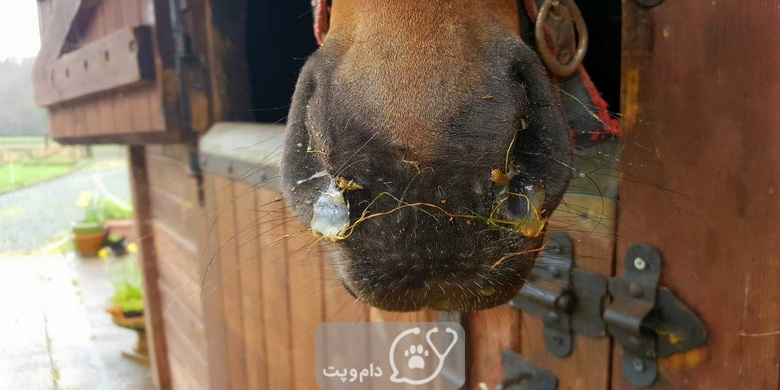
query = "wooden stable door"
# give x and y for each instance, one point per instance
(700, 171)
(698, 181)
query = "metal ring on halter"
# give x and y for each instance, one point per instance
(561, 63)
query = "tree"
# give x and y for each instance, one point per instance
(18, 113)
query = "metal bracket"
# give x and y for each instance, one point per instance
(567, 299)
(648, 320)
(524, 375)
(546, 294)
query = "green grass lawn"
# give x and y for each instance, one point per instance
(17, 175)
(16, 142)
(26, 160)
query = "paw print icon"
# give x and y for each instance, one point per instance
(415, 355)
(416, 361)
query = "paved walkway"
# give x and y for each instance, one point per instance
(54, 332)
(32, 217)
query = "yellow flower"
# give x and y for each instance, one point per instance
(84, 199)
(103, 253)
(132, 247)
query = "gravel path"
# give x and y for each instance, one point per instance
(32, 217)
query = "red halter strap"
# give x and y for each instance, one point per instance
(321, 9)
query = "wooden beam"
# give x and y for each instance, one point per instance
(120, 59)
(153, 311)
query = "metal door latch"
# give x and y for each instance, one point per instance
(524, 375)
(567, 299)
(648, 321)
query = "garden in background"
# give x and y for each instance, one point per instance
(27, 160)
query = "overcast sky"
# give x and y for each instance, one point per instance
(18, 29)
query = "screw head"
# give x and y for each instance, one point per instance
(564, 302)
(638, 365)
(640, 263)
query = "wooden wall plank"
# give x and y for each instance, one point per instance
(186, 289)
(171, 174)
(106, 106)
(231, 283)
(489, 332)
(141, 110)
(177, 251)
(212, 289)
(187, 322)
(178, 215)
(276, 300)
(182, 350)
(306, 294)
(182, 377)
(123, 120)
(701, 82)
(251, 271)
(92, 32)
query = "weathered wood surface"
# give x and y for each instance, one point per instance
(275, 288)
(138, 112)
(701, 178)
(153, 309)
(590, 222)
(122, 58)
(488, 333)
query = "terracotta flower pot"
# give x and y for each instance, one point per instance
(123, 227)
(88, 244)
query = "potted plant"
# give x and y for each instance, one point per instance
(89, 233)
(127, 304)
(118, 216)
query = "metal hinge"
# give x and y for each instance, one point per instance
(648, 321)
